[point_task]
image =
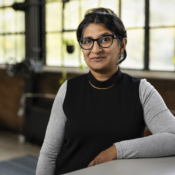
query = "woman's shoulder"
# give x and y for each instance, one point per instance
(144, 86)
(128, 75)
(130, 79)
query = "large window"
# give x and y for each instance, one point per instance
(150, 26)
(12, 40)
(132, 15)
(162, 34)
(60, 30)
(161, 39)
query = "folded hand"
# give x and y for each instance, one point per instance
(105, 156)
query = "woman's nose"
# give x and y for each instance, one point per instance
(96, 48)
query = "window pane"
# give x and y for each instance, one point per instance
(132, 13)
(10, 20)
(111, 4)
(1, 21)
(53, 49)
(1, 3)
(88, 4)
(71, 15)
(135, 50)
(162, 48)
(85, 5)
(10, 47)
(8, 2)
(19, 0)
(20, 47)
(162, 12)
(71, 59)
(54, 16)
(2, 50)
(20, 22)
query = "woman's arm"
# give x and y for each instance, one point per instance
(160, 122)
(54, 136)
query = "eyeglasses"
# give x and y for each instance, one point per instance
(103, 41)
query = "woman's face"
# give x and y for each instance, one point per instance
(100, 59)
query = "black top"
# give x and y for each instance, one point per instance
(104, 84)
(98, 118)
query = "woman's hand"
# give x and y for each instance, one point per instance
(105, 156)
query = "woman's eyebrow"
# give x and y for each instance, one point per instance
(106, 33)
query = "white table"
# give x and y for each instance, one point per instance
(147, 166)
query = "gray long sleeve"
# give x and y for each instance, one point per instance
(54, 136)
(157, 118)
(160, 122)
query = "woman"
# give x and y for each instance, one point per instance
(101, 116)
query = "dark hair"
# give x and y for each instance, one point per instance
(109, 19)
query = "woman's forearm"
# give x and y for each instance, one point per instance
(160, 122)
(54, 136)
(158, 145)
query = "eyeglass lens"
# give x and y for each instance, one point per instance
(105, 41)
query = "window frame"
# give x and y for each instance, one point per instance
(3, 34)
(43, 33)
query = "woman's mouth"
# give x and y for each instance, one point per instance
(98, 58)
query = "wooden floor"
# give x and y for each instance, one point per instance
(10, 147)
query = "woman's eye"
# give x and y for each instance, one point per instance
(86, 41)
(105, 39)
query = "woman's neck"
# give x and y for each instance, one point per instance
(103, 75)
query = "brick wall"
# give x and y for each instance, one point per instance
(11, 90)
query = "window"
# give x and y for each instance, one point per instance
(150, 26)
(60, 30)
(161, 46)
(132, 15)
(162, 34)
(12, 40)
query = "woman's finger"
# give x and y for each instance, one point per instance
(91, 164)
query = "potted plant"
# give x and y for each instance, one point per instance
(69, 45)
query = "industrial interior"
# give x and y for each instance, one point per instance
(39, 51)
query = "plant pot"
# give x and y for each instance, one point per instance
(70, 48)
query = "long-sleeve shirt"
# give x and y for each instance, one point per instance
(146, 104)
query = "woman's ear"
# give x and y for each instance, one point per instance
(123, 45)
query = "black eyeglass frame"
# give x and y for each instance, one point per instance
(113, 37)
